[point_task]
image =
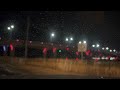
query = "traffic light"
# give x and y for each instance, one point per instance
(59, 51)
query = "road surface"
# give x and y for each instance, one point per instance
(7, 72)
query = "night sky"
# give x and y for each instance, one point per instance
(94, 26)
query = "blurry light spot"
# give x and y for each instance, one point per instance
(11, 47)
(30, 41)
(59, 51)
(4, 48)
(17, 40)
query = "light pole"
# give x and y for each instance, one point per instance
(26, 43)
(10, 28)
(69, 40)
(52, 36)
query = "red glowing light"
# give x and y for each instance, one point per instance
(66, 58)
(45, 50)
(77, 53)
(87, 52)
(67, 49)
(76, 59)
(11, 47)
(54, 50)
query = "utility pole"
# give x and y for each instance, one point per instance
(81, 55)
(27, 34)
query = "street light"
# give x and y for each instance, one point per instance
(71, 38)
(97, 45)
(11, 46)
(52, 35)
(110, 50)
(80, 42)
(84, 42)
(12, 26)
(103, 48)
(114, 50)
(66, 39)
(93, 45)
(107, 48)
(8, 28)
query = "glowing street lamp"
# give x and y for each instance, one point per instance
(8, 28)
(84, 42)
(97, 45)
(103, 48)
(80, 42)
(110, 50)
(52, 34)
(93, 45)
(66, 39)
(107, 48)
(114, 50)
(12, 26)
(71, 39)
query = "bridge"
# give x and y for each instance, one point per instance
(17, 46)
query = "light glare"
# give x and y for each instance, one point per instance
(12, 26)
(84, 42)
(9, 28)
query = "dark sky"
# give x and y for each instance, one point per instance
(94, 26)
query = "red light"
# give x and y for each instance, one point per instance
(67, 49)
(54, 50)
(66, 58)
(87, 52)
(11, 47)
(76, 59)
(77, 53)
(45, 50)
